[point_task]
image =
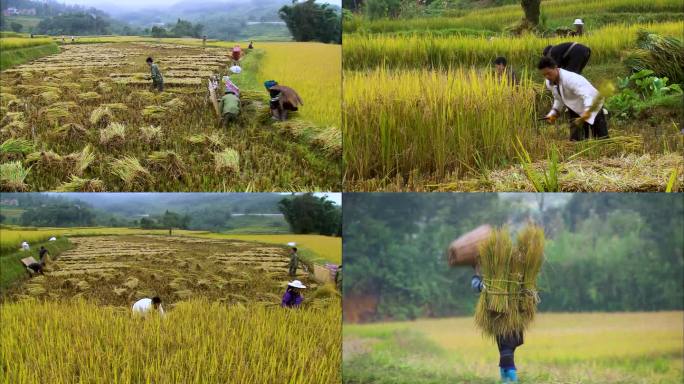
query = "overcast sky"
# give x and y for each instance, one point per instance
(140, 4)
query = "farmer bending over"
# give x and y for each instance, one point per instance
(283, 99)
(506, 343)
(157, 79)
(502, 71)
(229, 107)
(43, 254)
(35, 268)
(572, 57)
(293, 295)
(143, 306)
(294, 262)
(579, 96)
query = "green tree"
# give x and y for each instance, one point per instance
(532, 10)
(376, 9)
(310, 21)
(309, 214)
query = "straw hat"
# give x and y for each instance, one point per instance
(296, 284)
(578, 22)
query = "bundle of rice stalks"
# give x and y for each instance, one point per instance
(13, 129)
(70, 132)
(213, 142)
(663, 55)
(228, 159)
(509, 300)
(101, 116)
(175, 104)
(113, 135)
(330, 139)
(78, 162)
(16, 147)
(12, 176)
(144, 96)
(49, 96)
(134, 175)
(77, 184)
(104, 87)
(5, 98)
(11, 117)
(88, 96)
(56, 112)
(169, 163)
(121, 107)
(45, 158)
(154, 111)
(151, 134)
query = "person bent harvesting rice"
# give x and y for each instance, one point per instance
(293, 297)
(283, 99)
(143, 306)
(580, 97)
(157, 78)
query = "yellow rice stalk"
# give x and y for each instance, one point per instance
(80, 161)
(49, 96)
(155, 111)
(46, 158)
(169, 163)
(70, 131)
(101, 116)
(228, 159)
(128, 169)
(77, 184)
(88, 96)
(151, 134)
(114, 134)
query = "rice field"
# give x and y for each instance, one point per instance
(321, 247)
(197, 342)
(223, 323)
(425, 112)
(7, 43)
(86, 121)
(589, 348)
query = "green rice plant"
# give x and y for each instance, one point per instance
(129, 170)
(113, 135)
(16, 147)
(169, 163)
(433, 123)
(546, 181)
(12, 177)
(77, 184)
(664, 55)
(89, 96)
(101, 116)
(228, 159)
(672, 182)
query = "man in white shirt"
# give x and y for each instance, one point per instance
(142, 306)
(25, 246)
(583, 101)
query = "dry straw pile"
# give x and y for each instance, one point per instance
(509, 299)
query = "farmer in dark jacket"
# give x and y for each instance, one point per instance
(506, 343)
(283, 99)
(35, 268)
(572, 57)
(157, 78)
(42, 254)
(293, 297)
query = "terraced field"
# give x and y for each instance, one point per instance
(85, 120)
(118, 270)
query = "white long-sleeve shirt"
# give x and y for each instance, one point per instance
(142, 306)
(575, 92)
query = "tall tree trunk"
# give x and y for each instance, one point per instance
(532, 10)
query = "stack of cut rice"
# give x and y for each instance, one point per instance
(509, 300)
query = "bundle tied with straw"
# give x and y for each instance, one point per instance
(509, 300)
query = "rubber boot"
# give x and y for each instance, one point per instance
(512, 375)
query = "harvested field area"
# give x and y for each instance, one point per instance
(85, 120)
(117, 270)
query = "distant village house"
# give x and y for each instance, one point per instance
(11, 11)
